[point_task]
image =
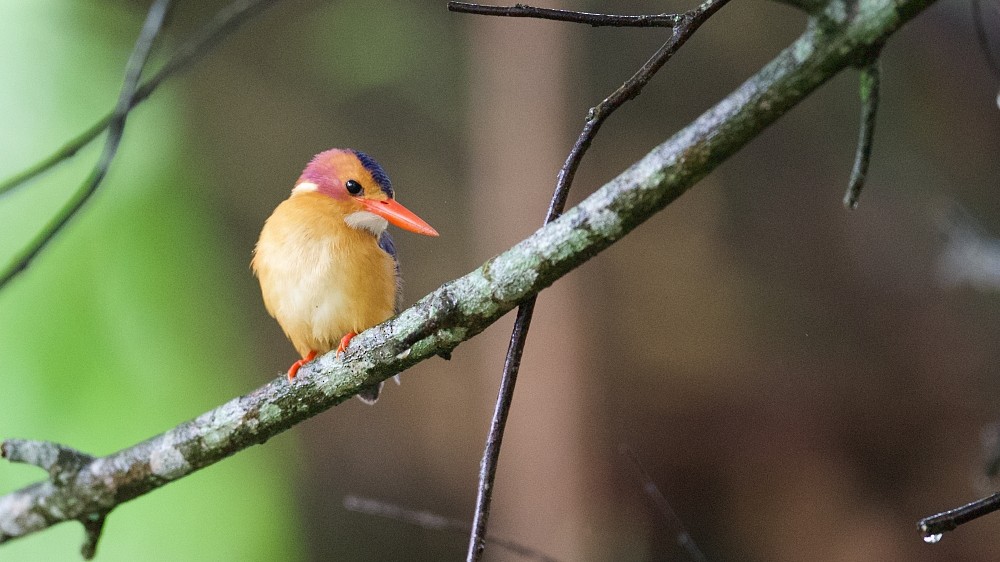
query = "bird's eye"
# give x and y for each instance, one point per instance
(353, 187)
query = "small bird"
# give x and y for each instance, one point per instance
(326, 264)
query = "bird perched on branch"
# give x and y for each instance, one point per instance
(326, 265)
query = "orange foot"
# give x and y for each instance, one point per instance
(298, 364)
(344, 341)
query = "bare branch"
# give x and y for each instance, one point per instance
(870, 81)
(686, 25)
(224, 23)
(596, 20)
(435, 522)
(654, 494)
(464, 307)
(494, 439)
(116, 128)
(935, 526)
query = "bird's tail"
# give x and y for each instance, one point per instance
(370, 395)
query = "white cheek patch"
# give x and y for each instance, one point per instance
(304, 187)
(363, 220)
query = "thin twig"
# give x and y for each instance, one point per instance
(494, 440)
(869, 88)
(934, 526)
(596, 20)
(435, 522)
(687, 24)
(654, 494)
(93, 526)
(133, 70)
(225, 22)
(984, 41)
(93, 523)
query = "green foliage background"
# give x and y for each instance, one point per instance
(122, 329)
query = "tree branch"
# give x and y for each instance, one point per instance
(933, 527)
(686, 25)
(116, 128)
(462, 308)
(596, 20)
(225, 22)
(870, 80)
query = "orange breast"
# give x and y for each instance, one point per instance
(319, 277)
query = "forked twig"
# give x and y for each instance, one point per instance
(226, 21)
(116, 127)
(682, 29)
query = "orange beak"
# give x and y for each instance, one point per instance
(398, 215)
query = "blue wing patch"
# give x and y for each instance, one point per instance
(385, 242)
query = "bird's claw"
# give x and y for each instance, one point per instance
(294, 369)
(344, 341)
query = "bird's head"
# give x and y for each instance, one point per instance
(361, 189)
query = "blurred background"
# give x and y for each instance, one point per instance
(801, 382)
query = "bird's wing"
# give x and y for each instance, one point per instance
(385, 242)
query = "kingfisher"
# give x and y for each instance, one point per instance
(326, 264)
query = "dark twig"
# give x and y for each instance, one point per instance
(687, 24)
(984, 41)
(596, 20)
(225, 22)
(934, 526)
(63, 465)
(869, 89)
(435, 522)
(491, 454)
(654, 494)
(65, 152)
(133, 70)
(93, 525)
